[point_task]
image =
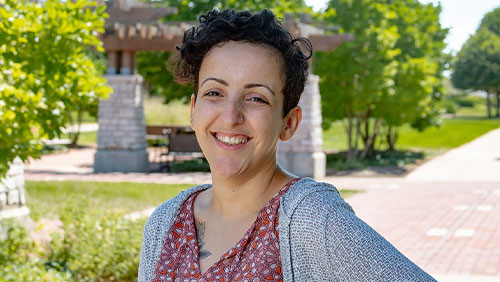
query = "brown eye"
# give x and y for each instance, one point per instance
(259, 100)
(213, 94)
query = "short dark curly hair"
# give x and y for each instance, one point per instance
(261, 28)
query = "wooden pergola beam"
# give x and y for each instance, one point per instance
(328, 42)
(114, 43)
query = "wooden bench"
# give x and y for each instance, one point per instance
(53, 144)
(180, 144)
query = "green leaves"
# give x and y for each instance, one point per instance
(45, 71)
(477, 65)
(391, 72)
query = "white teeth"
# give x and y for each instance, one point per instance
(231, 140)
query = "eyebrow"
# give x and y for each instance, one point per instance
(223, 82)
(252, 85)
(247, 86)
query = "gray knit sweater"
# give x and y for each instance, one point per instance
(321, 239)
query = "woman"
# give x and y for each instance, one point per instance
(256, 222)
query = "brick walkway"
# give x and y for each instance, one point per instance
(445, 228)
(444, 216)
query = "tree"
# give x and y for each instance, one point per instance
(358, 73)
(491, 21)
(191, 10)
(45, 71)
(388, 75)
(159, 81)
(418, 83)
(477, 65)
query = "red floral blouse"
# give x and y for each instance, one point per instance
(256, 257)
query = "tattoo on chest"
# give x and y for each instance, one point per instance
(200, 232)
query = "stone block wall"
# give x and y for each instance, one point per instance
(303, 153)
(12, 199)
(121, 139)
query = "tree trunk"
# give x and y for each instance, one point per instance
(391, 137)
(488, 103)
(352, 128)
(498, 103)
(348, 129)
(74, 135)
(370, 143)
(365, 133)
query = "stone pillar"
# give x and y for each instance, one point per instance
(127, 62)
(12, 200)
(121, 139)
(303, 154)
(112, 62)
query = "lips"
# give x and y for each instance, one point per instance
(231, 140)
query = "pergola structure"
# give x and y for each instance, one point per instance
(134, 26)
(137, 28)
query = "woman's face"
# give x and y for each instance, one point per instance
(237, 115)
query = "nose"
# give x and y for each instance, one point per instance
(232, 114)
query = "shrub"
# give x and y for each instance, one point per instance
(32, 272)
(90, 247)
(18, 257)
(465, 102)
(449, 105)
(97, 247)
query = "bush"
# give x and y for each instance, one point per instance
(90, 247)
(464, 102)
(449, 106)
(18, 257)
(31, 272)
(97, 247)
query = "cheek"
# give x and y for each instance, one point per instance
(202, 114)
(267, 122)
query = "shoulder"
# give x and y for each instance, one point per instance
(320, 198)
(323, 225)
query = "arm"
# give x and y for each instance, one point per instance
(359, 253)
(330, 243)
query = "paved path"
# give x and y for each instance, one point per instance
(476, 161)
(445, 215)
(445, 228)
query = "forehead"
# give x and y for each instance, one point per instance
(244, 59)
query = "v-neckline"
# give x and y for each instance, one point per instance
(242, 242)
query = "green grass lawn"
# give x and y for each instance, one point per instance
(158, 113)
(474, 107)
(88, 138)
(335, 138)
(47, 198)
(452, 133)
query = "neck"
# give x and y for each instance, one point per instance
(242, 196)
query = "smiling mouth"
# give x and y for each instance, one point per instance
(231, 141)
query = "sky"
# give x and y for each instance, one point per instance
(461, 16)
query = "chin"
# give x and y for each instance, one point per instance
(226, 167)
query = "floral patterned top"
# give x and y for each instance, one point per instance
(256, 257)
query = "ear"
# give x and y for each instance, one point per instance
(291, 123)
(191, 113)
